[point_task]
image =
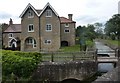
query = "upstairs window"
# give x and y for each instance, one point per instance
(10, 35)
(47, 41)
(48, 27)
(48, 13)
(66, 25)
(30, 28)
(30, 14)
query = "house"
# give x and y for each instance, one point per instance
(11, 36)
(41, 29)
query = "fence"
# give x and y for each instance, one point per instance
(68, 56)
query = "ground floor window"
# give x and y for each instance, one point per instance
(47, 41)
(31, 41)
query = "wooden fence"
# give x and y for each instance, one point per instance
(68, 56)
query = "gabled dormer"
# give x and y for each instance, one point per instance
(30, 11)
(48, 9)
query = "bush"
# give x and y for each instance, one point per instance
(21, 64)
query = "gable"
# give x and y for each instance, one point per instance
(48, 6)
(38, 12)
(29, 6)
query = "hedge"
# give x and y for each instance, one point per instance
(21, 64)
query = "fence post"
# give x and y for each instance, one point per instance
(73, 56)
(96, 55)
(52, 57)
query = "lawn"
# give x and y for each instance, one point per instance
(113, 42)
(75, 48)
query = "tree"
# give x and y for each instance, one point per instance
(112, 26)
(99, 29)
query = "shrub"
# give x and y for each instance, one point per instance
(21, 64)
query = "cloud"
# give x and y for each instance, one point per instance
(4, 15)
(86, 19)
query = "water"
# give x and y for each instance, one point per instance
(104, 67)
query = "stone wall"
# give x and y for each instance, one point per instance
(59, 71)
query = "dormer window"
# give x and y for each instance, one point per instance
(48, 13)
(30, 14)
(66, 25)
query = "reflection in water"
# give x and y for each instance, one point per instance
(105, 67)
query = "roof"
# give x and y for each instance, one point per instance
(14, 28)
(38, 12)
(65, 20)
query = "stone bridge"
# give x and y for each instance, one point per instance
(60, 71)
(80, 65)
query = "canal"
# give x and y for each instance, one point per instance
(104, 51)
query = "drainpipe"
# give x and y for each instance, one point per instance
(39, 36)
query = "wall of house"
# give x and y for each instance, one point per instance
(53, 35)
(69, 37)
(25, 21)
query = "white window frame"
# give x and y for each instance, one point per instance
(48, 42)
(48, 13)
(32, 41)
(66, 24)
(30, 14)
(32, 30)
(10, 35)
(48, 27)
(65, 30)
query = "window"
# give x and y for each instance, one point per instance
(30, 14)
(66, 25)
(10, 35)
(30, 28)
(48, 27)
(31, 41)
(66, 30)
(48, 13)
(47, 41)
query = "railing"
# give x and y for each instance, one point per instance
(68, 56)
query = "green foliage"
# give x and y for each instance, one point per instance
(112, 27)
(21, 64)
(86, 32)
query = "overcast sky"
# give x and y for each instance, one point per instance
(84, 11)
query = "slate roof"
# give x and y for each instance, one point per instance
(14, 28)
(66, 20)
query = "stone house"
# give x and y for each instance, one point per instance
(40, 30)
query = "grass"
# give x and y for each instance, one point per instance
(75, 48)
(113, 42)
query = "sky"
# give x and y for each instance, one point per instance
(84, 11)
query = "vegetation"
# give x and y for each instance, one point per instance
(112, 27)
(77, 47)
(19, 65)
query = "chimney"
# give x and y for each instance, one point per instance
(70, 16)
(10, 22)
